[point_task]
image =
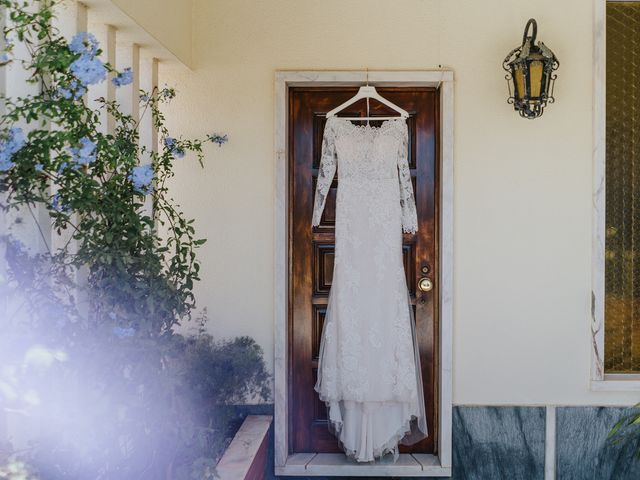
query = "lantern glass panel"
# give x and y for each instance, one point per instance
(519, 82)
(536, 68)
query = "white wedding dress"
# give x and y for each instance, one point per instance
(369, 367)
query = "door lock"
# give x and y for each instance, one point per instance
(425, 284)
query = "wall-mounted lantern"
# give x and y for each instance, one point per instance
(530, 74)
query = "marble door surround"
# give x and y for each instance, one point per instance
(312, 464)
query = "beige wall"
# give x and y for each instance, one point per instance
(523, 188)
(169, 21)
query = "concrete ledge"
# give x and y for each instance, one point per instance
(246, 457)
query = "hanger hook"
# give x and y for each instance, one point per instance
(367, 76)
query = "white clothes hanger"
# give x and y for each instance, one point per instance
(368, 92)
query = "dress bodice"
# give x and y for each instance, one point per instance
(366, 155)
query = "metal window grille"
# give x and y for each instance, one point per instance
(622, 244)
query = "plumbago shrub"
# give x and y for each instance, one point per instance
(90, 364)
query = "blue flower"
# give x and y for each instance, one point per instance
(75, 90)
(86, 154)
(56, 204)
(4, 58)
(9, 146)
(121, 332)
(64, 93)
(88, 70)
(219, 139)
(142, 176)
(167, 93)
(5, 161)
(123, 78)
(144, 98)
(84, 43)
(39, 167)
(170, 143)
(78, 89)
(16, 139)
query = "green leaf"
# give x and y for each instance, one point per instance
(617, 427)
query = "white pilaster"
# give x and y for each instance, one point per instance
(148, 133)
(550, 444)
(128, 56)
(23, 224)
(148, 81)
(106, 36)
(71, 18)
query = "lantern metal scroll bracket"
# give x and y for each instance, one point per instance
(530, 74)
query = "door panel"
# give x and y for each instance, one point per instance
(311, 251)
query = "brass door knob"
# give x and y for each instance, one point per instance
(425, 284)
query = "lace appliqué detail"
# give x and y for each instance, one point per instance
(407, 200)
(328, 163)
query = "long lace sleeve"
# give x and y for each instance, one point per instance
(407, 201)
(326, 172)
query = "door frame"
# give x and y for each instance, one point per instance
(309, 464)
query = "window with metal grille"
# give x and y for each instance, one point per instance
(622, 236)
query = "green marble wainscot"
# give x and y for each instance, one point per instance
(582, 449)
(498, 443)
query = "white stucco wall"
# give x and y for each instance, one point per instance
(523, 188)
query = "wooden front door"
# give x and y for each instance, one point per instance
(311, 251)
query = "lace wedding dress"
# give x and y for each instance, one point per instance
(369, 367)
